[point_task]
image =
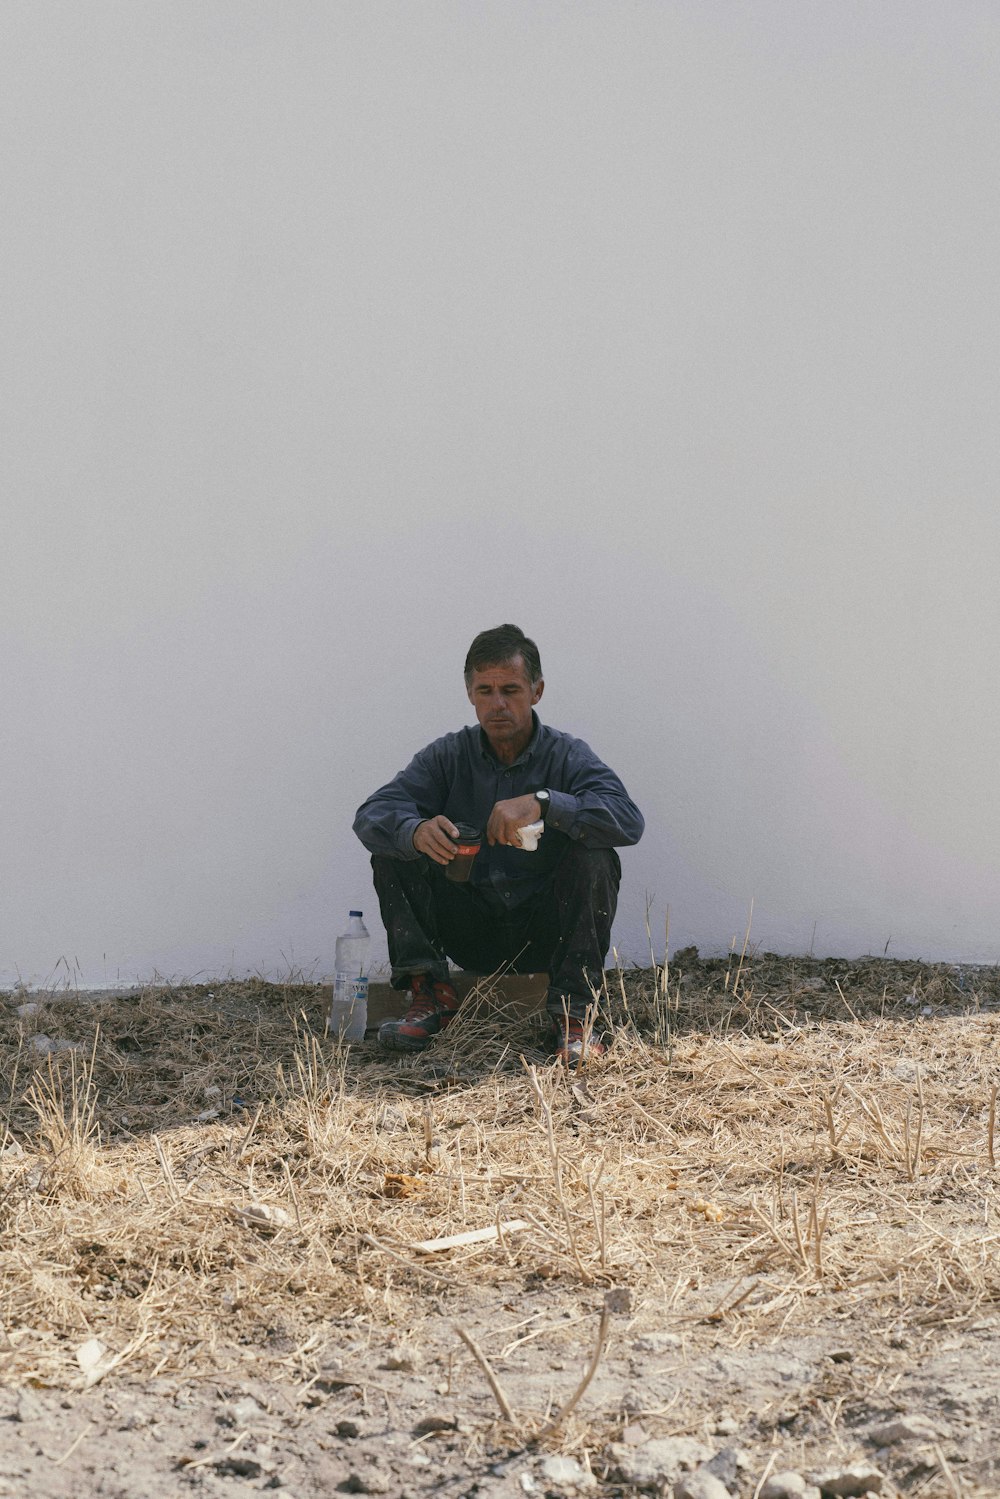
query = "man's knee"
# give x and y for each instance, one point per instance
(388, 870)
(598, 867)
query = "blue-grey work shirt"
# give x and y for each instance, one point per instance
(460, 776)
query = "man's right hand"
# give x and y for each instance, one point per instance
(434, 838)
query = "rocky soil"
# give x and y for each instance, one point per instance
(842, 1411)
(757, 1252)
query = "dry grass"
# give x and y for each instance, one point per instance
(208, 1184)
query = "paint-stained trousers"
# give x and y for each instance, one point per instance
(564, 930)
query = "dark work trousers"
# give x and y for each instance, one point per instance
(564, 930)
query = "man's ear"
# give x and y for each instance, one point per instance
(537, 690)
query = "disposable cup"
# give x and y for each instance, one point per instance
(467, 846)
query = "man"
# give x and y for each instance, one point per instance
(549, 910)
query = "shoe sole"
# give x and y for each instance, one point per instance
(393, 1041)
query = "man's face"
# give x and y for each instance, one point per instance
(503, 698)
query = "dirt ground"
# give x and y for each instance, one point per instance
(751, 1251)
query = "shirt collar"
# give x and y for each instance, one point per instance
(529, 749)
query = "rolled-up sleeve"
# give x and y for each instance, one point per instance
(387, 821)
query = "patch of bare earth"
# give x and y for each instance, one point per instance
(753, 1247)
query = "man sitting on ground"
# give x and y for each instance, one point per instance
(550, 910)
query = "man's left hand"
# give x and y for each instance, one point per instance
(507, 817)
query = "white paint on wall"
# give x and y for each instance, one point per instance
(326, 327)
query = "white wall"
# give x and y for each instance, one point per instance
(334, 333)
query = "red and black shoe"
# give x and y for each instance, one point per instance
(574, 1041)
(432, 1009)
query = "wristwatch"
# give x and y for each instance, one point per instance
(542, 798)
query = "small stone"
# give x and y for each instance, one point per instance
(403, 1358)
(246, 1411)
(634, 1434)
(90, 1356)
(427, 1424)
(657, 1342)
(915, 1428)
(29, 1407)
(726, 1426)
(134, 1422)
(26, 1011)
(348, 1429)
(238, 1467)
(658, 1462)
(266, 1217)
(528, 1484)
(372, 1481)
(567, 1473)
(788, 1485)
(849, 1483)
(700, 1484)
(728, 1464)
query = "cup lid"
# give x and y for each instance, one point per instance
(467, 834)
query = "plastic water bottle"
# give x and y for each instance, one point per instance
(349, 1011)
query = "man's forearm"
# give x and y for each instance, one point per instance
(601, 821)
(387, 830)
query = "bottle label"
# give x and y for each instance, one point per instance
(351, 989)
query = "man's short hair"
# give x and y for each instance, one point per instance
(500, 645)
